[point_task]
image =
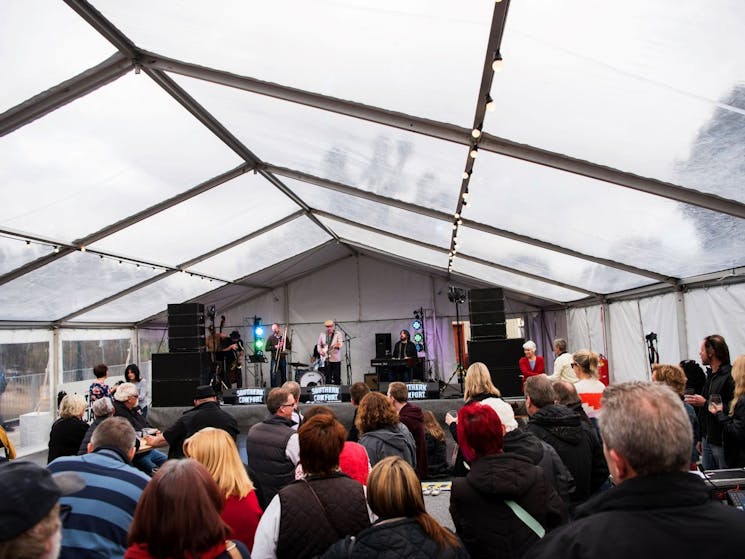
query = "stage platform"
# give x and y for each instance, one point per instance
(249, 414)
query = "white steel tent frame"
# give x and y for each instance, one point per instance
(610, 175)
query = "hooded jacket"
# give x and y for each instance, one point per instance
(390, 441)
(576, 444)
(412, 416)
(485, 524)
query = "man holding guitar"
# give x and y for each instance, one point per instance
(329, 346)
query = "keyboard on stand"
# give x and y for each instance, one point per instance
(736, 498)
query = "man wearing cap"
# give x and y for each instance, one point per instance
(102, 512)
(329, 348)
(30, 513)
(205, 413)
(126, 405)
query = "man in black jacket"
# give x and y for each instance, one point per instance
(573, 439)
(657, 508)
(205, 413)
(715, 354)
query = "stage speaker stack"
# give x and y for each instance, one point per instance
(382, 345)
(486, 314)
(176, 377)
(186, 327)
(501, 358)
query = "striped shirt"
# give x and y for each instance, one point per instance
(102, 512)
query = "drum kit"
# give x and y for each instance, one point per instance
(306, 377)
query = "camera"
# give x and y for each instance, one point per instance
(651, 337)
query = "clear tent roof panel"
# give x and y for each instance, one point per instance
(621, 84)
(374, 214)
(598, 218)
(515, 282)
(387, 244)
(346, 49)
(114, 152)
(66, 285)
(370, 156)
(280, 244)
(43, 43)
(14, 252)
(196, 226)
(546, 263)
(151, 299)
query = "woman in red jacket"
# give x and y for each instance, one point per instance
(531, 364)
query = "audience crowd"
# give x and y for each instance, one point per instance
(588, 470)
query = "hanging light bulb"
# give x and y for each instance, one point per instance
(56, 249)
(476, 133)
(82, 248)
(490, 105)
(466, 175)
(496, 64)
(474, 152)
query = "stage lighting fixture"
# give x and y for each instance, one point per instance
(416, 324)
(258, 331)
(418, 337)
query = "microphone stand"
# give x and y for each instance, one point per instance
(347, 352)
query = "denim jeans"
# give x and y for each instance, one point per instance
(148, 462)
(712, 457)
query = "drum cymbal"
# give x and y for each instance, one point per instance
(296, 364)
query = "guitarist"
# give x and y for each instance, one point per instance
(329, 346)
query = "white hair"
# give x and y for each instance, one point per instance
(125, 391)
(530, 344)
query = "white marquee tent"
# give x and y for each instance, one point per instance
(301, 161)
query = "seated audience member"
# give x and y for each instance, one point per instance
(99, 389)
(657, 508)
(30, 513)
(480, 504)
(126, 406)
(733, 423)
(216, 450)
(178, 516)
(272, 447)
(353, 459)
(695, 376)
(411, 416)
(101, 409)
(437, 462)
(588, 387)
(102, 512)
(69, 430)
(381, 432)
(356, 392)
(573, 439)
(308, 515)
(294, 389)
(675, 378)
(531, 364)
(478, 387)
(566, 394)
(132, 374)
(404, 529)
(205, 413)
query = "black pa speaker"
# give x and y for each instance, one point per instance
(186, 327)
(176, 377)
(486, 314)
(501, 358)
(382, 346)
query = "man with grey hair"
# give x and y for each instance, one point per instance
(573, 439)
(657, 508)
(102, 512)
(294, 388)
(563, 364)
(126, 405)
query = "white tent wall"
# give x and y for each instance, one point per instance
(715, 310)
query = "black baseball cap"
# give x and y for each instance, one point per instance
(28, 494)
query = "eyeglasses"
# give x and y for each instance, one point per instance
(64, 512)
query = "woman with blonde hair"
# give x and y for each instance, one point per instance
(733, 424)
(478, 388)
(588, 387)
(69, 430)
(216, 450)
(404, 528)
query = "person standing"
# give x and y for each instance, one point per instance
(531, 364)
(276, 345)
(733, 423)
(563, 362)
(132, 374)
(715, 354)
(329, 347)
(404, 349)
